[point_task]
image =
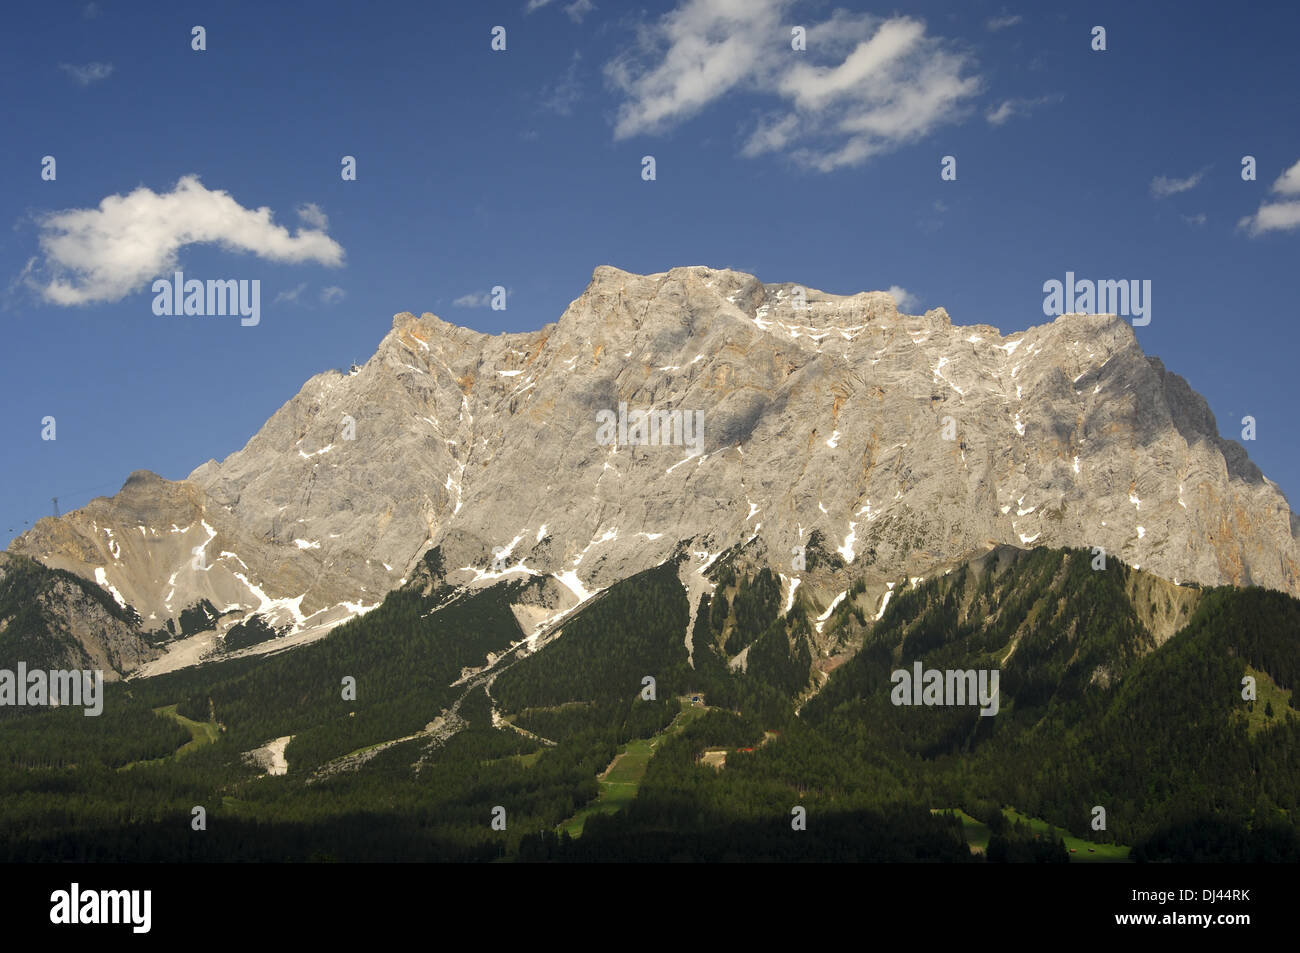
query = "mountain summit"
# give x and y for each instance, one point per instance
(832, 428)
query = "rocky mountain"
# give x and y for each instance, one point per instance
(824, 434)
(56, 620)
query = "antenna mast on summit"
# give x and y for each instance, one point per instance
(56, 506)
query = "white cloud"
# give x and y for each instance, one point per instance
(332, 294)
(864, 86)
(1288, 183)
(313, 216)
(575, 10)
(564, 95)
(1162, 186)
(475, 299)
(1198, 219)
(1277, 216)
(1002, 113)
(579, 9)
(993, 24)
(291, 296)
(903, 298)
(1273, 217)
(90, 73)
(106, 253)
(1008, 108)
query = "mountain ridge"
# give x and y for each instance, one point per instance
(831, 419)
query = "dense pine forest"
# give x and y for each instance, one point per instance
(430, 729)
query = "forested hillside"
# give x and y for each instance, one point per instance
(409, 727)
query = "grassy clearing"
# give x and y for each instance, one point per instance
(619, 784)
(1085, 851)
(524, 760)
(977, 832)
(1268, 692)
(202, 733)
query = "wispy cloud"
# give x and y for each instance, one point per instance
(903, 298)
(1278, 215)
(313, 216)
(475, 299)
(88, 73)
(1163, 186)
(579, 9)
(866, 85)
(332, 295)
(564, 95)
(931, 219)
(575, 10)
(292, 295)
(994, 24)
(1008, 108)
(105, 253)
(1198, 219)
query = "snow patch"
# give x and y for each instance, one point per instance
(937, 370)
(709, 559)
(884, 601)
(789, 599)
(689, 457)
(847, 549)
(202, 548)
(266, 604)
(101, 577)
(821, 619)
(569, 579)
(224, 555)
(507, 550)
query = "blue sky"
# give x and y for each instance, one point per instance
(522, 168)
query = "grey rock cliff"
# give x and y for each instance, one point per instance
(832, 419)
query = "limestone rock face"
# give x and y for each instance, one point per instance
(63, 625)
(904, 441)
